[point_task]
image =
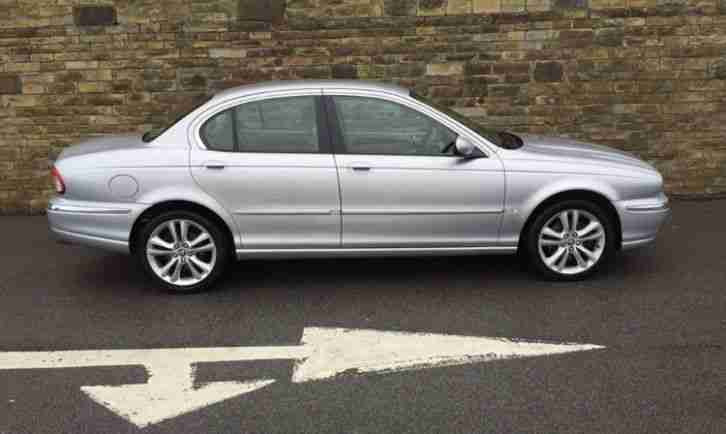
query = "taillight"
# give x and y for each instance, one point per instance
(60, 186)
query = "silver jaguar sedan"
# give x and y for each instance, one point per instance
(347, 168)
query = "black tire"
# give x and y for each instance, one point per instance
(219, 237)
(530, 243)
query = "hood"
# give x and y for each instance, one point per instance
(541, 147)
(103, 144)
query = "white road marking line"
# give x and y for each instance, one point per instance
(325, 352)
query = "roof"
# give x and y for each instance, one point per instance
(267, 86)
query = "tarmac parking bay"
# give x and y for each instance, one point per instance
(465, 344)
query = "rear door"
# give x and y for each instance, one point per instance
(398, 189)
(268, 161)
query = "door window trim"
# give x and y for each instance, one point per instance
(197, 124)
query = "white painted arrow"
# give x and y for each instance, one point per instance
(169, 392)
(336, 350)
(325, 352)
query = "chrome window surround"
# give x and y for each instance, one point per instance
(196, 123)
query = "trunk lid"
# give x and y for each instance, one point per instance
(103, 144)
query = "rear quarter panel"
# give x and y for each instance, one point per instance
(87, 177)
(161, 174)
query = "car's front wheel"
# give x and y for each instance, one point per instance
(570, 240)
(182, 251)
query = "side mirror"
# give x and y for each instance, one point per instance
(465, 148)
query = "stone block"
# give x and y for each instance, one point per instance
(569, 4)
(716, 70)
(271, 11)
(539, 5)
(10, 85)
(458, 7)
(227, 53)
(548, 72)
(82, 64)
(453, 68)
(513, 5)
(94, 15)
(93, 87)
(344, 71)
(400, 7)
(432, 7)
(609, 37)
(487, 6)
(608, 4)
(671, 7)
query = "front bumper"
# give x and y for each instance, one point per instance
(102, 225)
(641, 219)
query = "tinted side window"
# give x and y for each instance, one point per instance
(376, 126)
(274, 125)
(218, 132)
(278, 125)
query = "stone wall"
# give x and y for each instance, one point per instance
(647, 76)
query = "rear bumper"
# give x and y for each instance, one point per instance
(102, 225)
(91, 241)
(641, 219)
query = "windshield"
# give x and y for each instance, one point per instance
(156, 132)
(489, 134)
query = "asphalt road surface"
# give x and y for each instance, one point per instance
(659, 312)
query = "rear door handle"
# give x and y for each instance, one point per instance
(360, 167)
(214, 165)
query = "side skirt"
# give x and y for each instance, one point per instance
(374, 252)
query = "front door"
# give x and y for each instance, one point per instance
(399, 189)
(268, 162)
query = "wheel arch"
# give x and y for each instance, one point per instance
(179, 205)
(576, 194)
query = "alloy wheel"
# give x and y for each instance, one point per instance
(181, 252)
(571, 242)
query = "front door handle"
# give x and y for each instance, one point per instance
(214, 165)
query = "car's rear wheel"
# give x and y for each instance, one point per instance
(182, 251)
(570, 240)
